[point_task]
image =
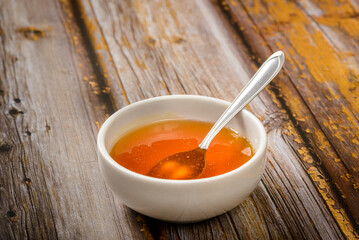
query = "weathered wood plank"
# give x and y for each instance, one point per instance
(330, 97)
(51, 99)
(85, 59)
(199, 55)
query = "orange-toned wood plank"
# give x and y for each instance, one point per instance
(321, 79)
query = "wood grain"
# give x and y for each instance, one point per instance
(67, 65)
(329, 100)
(49, 105)
(135, 18)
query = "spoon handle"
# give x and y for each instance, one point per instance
(260, 80)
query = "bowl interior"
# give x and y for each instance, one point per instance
(179, 107)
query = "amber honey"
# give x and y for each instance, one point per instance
(142, 148)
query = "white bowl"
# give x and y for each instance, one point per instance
(181, 200)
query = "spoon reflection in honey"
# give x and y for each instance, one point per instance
(190, 164)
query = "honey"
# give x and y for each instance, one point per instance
(142, 148)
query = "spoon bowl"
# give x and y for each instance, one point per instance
(181, 165)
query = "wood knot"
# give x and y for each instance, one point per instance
(27, 181)
(17, 100)
(11, 215)
(31, 33)
(14, 112)
(5, 147)
(150, 41)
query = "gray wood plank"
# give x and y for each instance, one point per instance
(50, 103)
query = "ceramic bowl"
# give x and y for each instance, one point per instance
(181, 200)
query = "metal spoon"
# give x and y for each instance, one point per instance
(190, 164)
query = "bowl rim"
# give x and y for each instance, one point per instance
(104, 128)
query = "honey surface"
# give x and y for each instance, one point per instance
(142, 148)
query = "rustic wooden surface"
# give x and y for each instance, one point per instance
(67, 65)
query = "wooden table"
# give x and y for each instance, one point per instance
(67, 65)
